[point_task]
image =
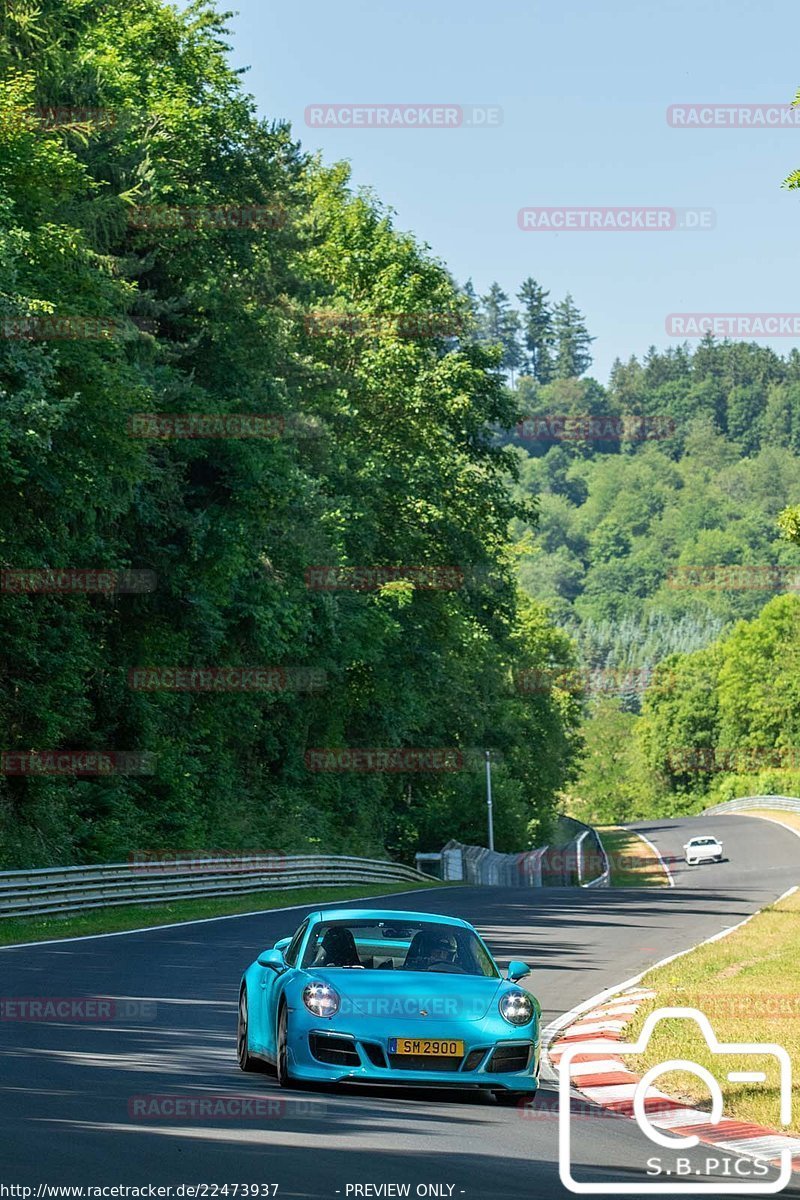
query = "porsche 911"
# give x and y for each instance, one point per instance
(381, 997)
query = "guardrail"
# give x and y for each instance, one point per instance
(72, 889)
(786, 803)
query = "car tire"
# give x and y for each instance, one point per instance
(246, 1060)
(282, 1048)
(511, 1099)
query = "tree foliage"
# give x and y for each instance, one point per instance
(387, 457)
(542, 341)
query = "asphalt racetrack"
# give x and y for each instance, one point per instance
(67, 1088)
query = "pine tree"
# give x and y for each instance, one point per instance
(537, 330)
(472, 331)
(573, 341)
(500, 326)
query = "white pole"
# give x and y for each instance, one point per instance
(489, 798)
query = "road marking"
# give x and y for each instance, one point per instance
(614, 1010)
(599, 1067)
(680, 1118)
(657, 852)
(772, 820)
(597, 1026)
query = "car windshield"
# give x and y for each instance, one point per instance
(707, 841)
(387, 945)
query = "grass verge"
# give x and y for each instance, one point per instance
(748, 985)
(138, 916)
(633, 863)
(792, 819)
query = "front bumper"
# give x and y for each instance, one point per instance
(360, 1054)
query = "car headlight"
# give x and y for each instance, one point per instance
(321, 999)
(516, 1008)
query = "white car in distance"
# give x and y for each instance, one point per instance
(702, 849)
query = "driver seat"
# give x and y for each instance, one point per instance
(419, 952)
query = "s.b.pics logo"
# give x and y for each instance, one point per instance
(679, 1143)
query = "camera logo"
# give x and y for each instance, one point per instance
(656, 1116)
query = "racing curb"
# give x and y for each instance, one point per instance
(610, 1084)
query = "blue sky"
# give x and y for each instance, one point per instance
(584, 88)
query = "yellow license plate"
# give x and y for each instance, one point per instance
(436, 1047)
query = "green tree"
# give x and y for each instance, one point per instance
(612, 786)
(789, 522)
(403, 470)
(572, 340)
(500, 326)
(537, 330)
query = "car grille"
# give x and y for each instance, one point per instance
(337, 1051)
(423, 1062)
(509, 1058)
(473, 1059)
(375, 1054)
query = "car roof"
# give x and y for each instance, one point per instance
(384, 914)
(703, 837)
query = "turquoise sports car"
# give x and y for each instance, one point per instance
(372, 996)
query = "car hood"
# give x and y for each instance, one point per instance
(410, 995)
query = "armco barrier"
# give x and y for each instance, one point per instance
(71, 889)
(786, 803)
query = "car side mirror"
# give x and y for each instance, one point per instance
(282, 944)
(517, 970)
(272, 959)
